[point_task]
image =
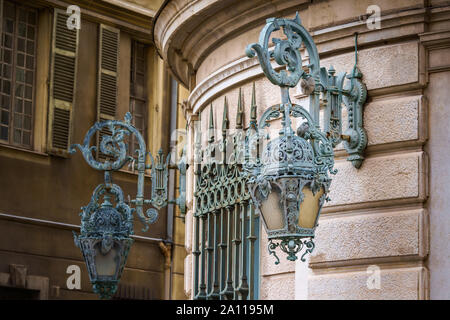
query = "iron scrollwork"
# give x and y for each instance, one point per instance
(300, 161)
(109, 224)
(224, 220)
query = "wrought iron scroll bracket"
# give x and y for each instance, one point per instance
(325, 89)
(115, 148)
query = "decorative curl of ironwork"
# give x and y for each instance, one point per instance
(112, 145)
(116, 150)
(276, 153)
(291, 246)
(316, 81)
(286, 52)
(271, 247)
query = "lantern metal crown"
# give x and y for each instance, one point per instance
(107, 221)
(290, 181)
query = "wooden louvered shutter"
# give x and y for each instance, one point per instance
(107, 82)
(62, 84)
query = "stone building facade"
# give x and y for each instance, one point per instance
(389, 218)
(52, 76)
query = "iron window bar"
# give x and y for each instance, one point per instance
(225, 224)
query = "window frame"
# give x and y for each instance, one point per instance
(133, 98)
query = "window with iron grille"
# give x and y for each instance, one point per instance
(138, 93)
(17, 73)
(226, 228)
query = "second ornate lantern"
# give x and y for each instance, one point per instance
(289, 180)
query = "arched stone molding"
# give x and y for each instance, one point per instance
(187, 31)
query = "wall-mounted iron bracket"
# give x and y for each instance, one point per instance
(115, 147)
(324, 88)
(353, 94)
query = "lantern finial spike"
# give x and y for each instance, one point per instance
(253, 107)
(211, 124)
(240, 111)
(297, 18)
(225, 121)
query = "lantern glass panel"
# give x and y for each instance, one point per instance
(309, 208)
(107, 265)
(272, 210)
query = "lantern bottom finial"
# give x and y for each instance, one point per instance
(291, 246)
(105, 289)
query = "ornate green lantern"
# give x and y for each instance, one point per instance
(290, 180)
(105, 241)
(107, 221)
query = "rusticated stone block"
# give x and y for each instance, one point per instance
(325, 13)
(409, 283)
(278, 287)
(402, 67)
(386, 235)
(391, 177)
(394, 120)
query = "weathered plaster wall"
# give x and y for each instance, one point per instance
(41, 195)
